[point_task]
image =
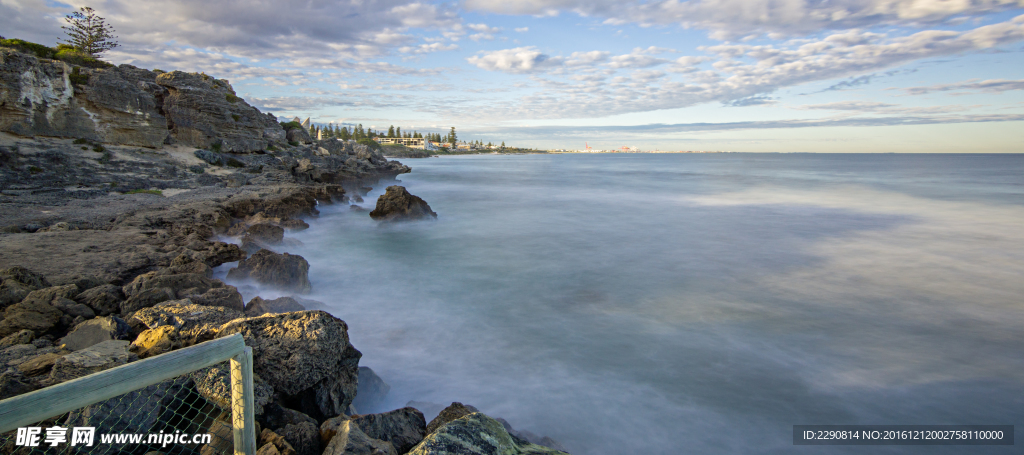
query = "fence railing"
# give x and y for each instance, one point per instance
(67, 400)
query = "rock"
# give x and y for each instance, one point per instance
(257, 306)
(397, 204)
(70, 308)
(21, 337)
(303, 437)
(47, 295)
(222, 437)
(146, 298)
(104, 300)
(194, 283)
(203, 112)
(39, 317)
(214, 384)
(454, 411)
(220, 253)
(349, 439)
(13, 383)
(303, 353)
(274, 440)
(194, 323)
(294, 225)
(262, 235)
(227, 297)
(16, 283)
(94, 332)
(299, 135)
(528, 437)
(210, 157)
(371, 392)
(285, 271)
(98, 357)
(403, 428)
(156, 341)
(475, 434)
(38, 365)
(16, 354)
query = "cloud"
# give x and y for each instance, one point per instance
(639, 58)
(986, 86)
(518, 60)
(757, 100)
(522, 29)
(428, 48)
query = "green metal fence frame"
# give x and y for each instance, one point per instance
(55, 400)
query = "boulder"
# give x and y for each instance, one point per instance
(39, 317)
(182, 284)
(204, 112)
(257, 306)
(262, 235)
(98, 357)
(299, 135)
(349, 439)
(304, 354)
(146, 298)
(403, 428)
(16, 354)
(227, 297)
(16, 283)
(73, 309)
(476, 434)
(371, 392)
(214, 384)
(47, 295)
(104, 299)
(273, 443)
(396, 204)
(156, 341)
(285, 271)
(194, 323)
(95, 331)
(304, 437)
(13, 383)
(21, 337)
(39, 365)
(455, 411)
(220, 253)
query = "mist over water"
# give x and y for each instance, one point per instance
(670, 304)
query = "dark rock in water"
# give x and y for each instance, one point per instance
(371, 392)
(263, 235)
(294, 225)
(94, 332)
(526, 437)
(258, 306)
(403, 428)
(476, 434)
(356, 208)
(103, 299)
(285, 271)
(333, 395)
(302, 352)
(455, 411)
(397, 204)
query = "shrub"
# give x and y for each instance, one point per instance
(235, 163)
(290, 125)
(372, 144)
(29, 48)
(156, 192)
(159, 71)
(231, 98)
(98, 148)
(236, 117)
(105, 159)
(76, 77)
(216, 146)
(81, 141)
(75, 57)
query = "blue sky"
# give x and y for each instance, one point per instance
(739, 75)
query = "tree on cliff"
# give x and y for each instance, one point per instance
(88, 32)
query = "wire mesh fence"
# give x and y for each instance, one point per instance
(198, 411)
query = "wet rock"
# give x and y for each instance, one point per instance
(350, 439)
(20, 337)
(95, 331)
(262, 235)
(285, 271)
(294, 225)
(476, 434)
(98, 357)
(156, 341)
(258, 306)
(396, 204)
(194, 323)
(104, 300)
(403, 428)
(39, 317)
(455, 411)
(303, 352)
(371, 392)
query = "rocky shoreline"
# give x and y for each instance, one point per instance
(115, 185)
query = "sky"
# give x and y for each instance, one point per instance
(718, 75)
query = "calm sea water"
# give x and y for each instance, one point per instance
(666, 304)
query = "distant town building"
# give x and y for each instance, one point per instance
(411, 142)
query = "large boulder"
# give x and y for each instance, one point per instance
(182, 284)
(16, 283)
(214, 384)
(397, 204)
(37, 316)
(403, 428)
(285, 271)
(476, 434)
(194, 323)
(349, 439)
(262, 235)
(299, 135)
(104, 299)
(95, 331)
(204, 112)
(305, 355)
(156, 341)
(371, 392)
(95, 358)
(454, 411)
(258, 306)
(227, 297)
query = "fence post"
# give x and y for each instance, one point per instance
(242, 405)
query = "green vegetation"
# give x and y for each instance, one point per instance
(80, 141)
(236, 117)
(231, 98)
(35, 169)
(234, 163)
(372, 144)
(289, 125)
(105, 159)
(88, 33)
(62, 52)
(159, 71)
(30, 48)
(156, 192)
(98, 148)
(216, 146)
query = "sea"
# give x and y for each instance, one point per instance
(692, 303)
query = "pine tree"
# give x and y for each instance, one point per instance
(344, 134)
(398, 132)
(391, 131)
(88, 32)
(502, 144)
(452, 137)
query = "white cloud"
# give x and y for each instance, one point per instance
(428, 48)
(987, 86)
(522, 29)
(517, 60)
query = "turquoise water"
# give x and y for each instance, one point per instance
(669, 304)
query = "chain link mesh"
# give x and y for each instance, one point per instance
(188, 414)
